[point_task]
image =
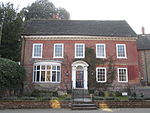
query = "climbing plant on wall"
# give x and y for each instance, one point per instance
(90, 58)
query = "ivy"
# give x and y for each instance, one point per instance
(93, 63)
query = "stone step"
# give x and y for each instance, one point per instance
(84, 107)
(82, 100)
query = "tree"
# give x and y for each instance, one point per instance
(43, 9)
(11, 75)
(11, 22)
(63, 14)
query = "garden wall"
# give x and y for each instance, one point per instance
(67, 104)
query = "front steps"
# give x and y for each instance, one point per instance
(81, 100)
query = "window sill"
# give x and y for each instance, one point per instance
(101, 81)
(36, 57)
(58, 57)
(122, 81)
(47, 82)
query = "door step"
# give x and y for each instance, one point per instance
(83, 106)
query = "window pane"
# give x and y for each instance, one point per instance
(101, 75)
(38, 67)
(53, 67)
(58, 50)
(121, 50)
(43, 76)
(100, 50)
(122, 75)
(38, 76)
(48, 67)
(58, 76)
(79, 50)
(37, 50)
(48, 76)
(43, 67)
(58, 67)
(34, 78)
(34, 67)
(53, 76)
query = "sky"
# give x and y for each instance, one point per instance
(135, 12)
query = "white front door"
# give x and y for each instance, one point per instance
(79, 75)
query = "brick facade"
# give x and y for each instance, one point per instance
(144, 61)
(131, 62)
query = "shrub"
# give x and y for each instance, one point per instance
(135, 98)
(91, 91)
(99, 98)
(55, 94)
(134, 94)
(110, 98)
(101, 94)
(69, 91)
(118, 94)
(106, 94)
(11, 75)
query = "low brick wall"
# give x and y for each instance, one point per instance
(125, 104)
(67, 104)
(24, 104)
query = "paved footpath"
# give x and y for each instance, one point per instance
(120, 110)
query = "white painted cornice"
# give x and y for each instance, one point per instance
(77, 37)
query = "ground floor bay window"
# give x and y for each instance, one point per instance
(47, 72)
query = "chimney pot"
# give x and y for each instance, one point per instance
(143, 30)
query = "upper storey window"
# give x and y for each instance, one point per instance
(121, 51)
(58, 50)
(100, 51)
(79, 50)
(37, 50)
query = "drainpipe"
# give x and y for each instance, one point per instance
(23, 50)
(146, 67)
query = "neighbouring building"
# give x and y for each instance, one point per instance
(53, 53)
(143, 45)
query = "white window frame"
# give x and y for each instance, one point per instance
(54, 54)
(98, 51)
(83, 50)
(124, 51)
(33, 50)
(126, 75)
(97, 74)
(46, 63)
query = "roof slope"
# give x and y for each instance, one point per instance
(79, 27)
(143, 42)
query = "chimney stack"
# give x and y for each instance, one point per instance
(143, 30)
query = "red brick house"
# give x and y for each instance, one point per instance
(53, 53)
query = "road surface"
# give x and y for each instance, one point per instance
(119, 110)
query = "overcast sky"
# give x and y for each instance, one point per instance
(135, 12)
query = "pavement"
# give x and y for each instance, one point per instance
(119, 110)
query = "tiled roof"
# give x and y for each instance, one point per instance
(79, 27)
(143, 42)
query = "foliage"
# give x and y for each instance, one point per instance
(41, 93)
(43, 9)
(11, 74)
(93, 63)
(11, 23)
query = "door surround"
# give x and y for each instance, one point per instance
(85, 76)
